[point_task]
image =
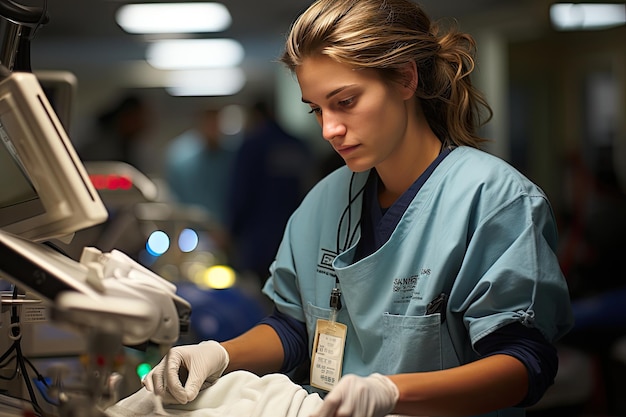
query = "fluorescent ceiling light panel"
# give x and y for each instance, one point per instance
(212, 82)
(151, 18)
(587, 16)
(195, 53)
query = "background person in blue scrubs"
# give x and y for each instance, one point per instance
(437, 258)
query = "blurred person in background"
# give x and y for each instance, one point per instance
(272, 172)
(117, 132)
(199, 164)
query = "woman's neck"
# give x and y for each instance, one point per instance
(398, 173)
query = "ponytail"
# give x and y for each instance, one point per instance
(454, 108)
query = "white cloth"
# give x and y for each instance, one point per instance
(236, 394)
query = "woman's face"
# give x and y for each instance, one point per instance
(363, 118)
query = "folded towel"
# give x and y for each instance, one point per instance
(236, 394)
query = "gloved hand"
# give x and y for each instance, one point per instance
(356, 396)
(204, 363)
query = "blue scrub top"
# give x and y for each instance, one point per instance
(477, 230)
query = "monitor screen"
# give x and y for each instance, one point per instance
(18, 197)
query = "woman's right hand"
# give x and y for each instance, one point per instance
(185, 370)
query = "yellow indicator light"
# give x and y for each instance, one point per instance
(219, 277)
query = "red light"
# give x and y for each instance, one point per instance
(97, 181)
(111, 182)
(100, 361)
(126, 183)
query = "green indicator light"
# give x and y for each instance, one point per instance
(143, 369)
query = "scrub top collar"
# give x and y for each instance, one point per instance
(377, 223)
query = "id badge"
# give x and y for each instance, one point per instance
(327, 357)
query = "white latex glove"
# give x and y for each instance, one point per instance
(356, 396)
(204, 363)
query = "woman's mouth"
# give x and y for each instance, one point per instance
(344, 151)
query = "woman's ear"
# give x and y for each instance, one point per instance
(408, 80)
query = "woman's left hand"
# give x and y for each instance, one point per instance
(371, 396)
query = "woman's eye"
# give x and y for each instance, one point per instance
(347, 102)
(315, 110)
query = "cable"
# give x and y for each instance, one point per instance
(351, 199)
(15, 334)
(40, 377)
(29, 385)
(43, 19)
(5, 365)
(7, 352)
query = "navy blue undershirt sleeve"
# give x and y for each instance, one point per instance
(293, 336)
(530, 347)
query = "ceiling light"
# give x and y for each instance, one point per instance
(194, 53)
(149, 18)
(587, 16)
(210, 82)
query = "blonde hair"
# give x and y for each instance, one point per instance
(386, 35)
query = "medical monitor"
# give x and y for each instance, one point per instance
(45, 192)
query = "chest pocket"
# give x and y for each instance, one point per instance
(411, 343)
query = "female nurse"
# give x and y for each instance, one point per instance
(421, 278)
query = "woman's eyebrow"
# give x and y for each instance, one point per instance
(332, 93)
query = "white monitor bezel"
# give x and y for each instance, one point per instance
(70, 201)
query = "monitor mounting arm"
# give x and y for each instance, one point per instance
(18, 25)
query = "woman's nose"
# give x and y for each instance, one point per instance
(332, 127)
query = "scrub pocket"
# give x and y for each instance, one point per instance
(312, 314)
(411, 343)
